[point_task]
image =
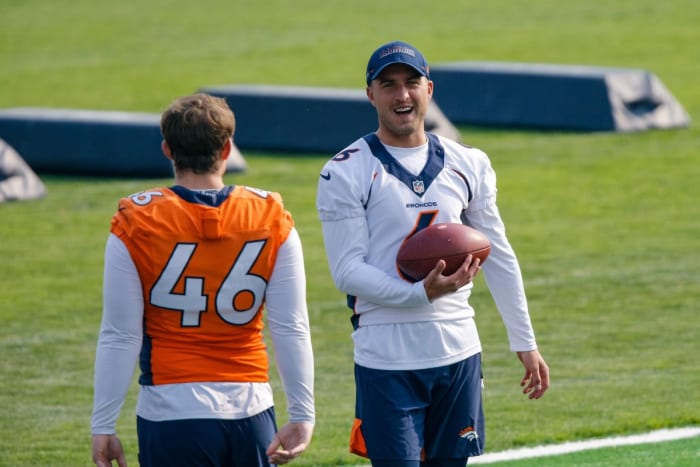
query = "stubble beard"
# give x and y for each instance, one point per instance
(401, 129)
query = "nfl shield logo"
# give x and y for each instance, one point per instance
(418, 186)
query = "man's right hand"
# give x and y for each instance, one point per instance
(436, 284)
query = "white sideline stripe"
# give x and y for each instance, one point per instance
(657, 436)
(575, 446)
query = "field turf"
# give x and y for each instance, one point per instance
(605, 225)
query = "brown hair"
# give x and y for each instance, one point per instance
(196, 129)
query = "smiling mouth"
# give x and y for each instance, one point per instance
(403, 110)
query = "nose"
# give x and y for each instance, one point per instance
(401, 93)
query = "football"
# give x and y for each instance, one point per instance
(420, 252)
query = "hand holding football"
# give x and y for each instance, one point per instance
(419, 253)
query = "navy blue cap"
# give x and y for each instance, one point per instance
(396, 52)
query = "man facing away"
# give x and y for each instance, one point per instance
(188, 269)
(417, 352)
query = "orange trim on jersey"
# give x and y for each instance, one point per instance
(357, 440)
(204, 271)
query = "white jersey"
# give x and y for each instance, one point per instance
(370, 199)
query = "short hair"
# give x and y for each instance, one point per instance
(196, 128)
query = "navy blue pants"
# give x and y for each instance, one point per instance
(206, 442)
(432, 416)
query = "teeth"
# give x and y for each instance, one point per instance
(403, 109)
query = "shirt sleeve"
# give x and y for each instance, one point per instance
(342, 192)
(346, 247)
(501, 269)
(120, 336)
(288, 321)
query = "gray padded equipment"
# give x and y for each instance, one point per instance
(18, 182)
(91, 142)
(554, 97)
(307, 119)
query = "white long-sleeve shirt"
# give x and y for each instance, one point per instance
(370, 198)
(121, 337)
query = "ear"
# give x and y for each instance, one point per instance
(430, 89)
(227, 149)
(370, 95)
(166, 150)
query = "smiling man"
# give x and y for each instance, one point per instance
(416, 347)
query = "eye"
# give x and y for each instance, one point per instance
(414, 82)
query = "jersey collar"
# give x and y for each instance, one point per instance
(418, 184)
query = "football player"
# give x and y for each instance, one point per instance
(188, 269)
(417, 352)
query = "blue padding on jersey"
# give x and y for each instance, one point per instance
(436, 162)
(212, 198)
(355, 318)
(146, 377)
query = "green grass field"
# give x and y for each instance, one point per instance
(605, 225)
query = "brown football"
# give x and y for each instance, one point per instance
(420, 252)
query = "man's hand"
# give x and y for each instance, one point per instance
(436, 285)
(536, 379)
(289, 442)
(105, 449)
